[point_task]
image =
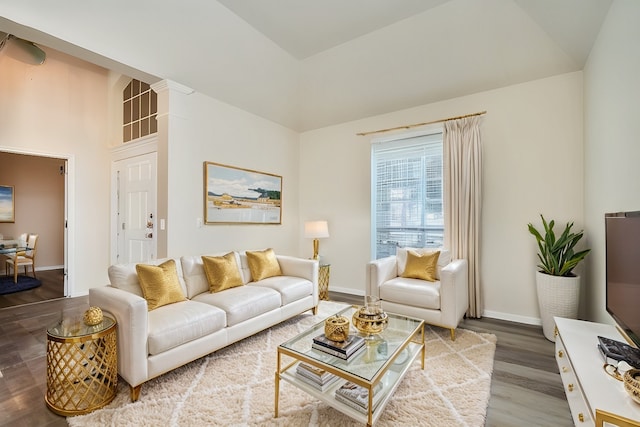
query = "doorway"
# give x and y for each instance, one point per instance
(40, 197)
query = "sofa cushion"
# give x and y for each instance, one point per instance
(443, 259)
(125, 276)
(290, 288)
(413, 292)
(160, 284)
(222, 272)
(243, 302)
(175, 324)
(195, 278)
(421, 266)
(263, 264)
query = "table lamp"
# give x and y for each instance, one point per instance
(316, 230)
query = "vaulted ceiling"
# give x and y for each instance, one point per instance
(307, 64)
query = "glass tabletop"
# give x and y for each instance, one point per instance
(78, 329)
(379, 348)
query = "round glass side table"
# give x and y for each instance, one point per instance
(82, 366)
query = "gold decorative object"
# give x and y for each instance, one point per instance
(93, 316)
(369, 323)
(336, 328)
(631, 380)
(82, 368)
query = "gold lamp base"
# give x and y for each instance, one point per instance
(316, 246)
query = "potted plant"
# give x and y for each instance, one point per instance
(558, 287)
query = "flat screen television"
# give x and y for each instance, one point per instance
(622, 232)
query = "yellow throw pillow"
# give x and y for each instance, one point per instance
(421, 266)
(263, 264)
(160, 284)
(222, 272)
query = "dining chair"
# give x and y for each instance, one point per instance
(24, 258)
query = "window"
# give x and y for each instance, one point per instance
(406, 199)
(140, 107)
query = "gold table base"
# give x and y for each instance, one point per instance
(323, 281)
(82, 372)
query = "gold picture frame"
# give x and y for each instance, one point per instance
(234, 195)
(7, 203)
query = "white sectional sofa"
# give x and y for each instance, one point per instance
(151, 343)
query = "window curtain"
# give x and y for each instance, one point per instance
(462, 160)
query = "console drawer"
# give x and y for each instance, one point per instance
(577, 402)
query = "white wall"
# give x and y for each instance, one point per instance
(203, 129)
(58, 109)
(612, 129)
(532, 137)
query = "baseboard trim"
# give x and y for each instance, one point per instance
(348, 291)
(512, 317)
(49, 267)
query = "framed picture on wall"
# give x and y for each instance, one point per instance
(7, 203)
(235, 195)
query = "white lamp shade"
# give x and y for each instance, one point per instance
(316, 229)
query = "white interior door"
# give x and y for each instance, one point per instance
(136, 213)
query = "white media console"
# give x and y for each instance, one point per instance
(595, 398)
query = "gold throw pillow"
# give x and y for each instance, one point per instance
(263, 264)
(160, 284)
(421, 266)
(222, 272)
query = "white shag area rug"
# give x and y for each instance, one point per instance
(235, 387)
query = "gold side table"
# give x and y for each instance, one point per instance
(323, 281)
(82, 366)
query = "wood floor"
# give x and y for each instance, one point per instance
(526, 389)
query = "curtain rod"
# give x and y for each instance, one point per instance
(420, 124)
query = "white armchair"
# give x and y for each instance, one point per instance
(443, 302)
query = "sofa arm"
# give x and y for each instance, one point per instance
(378, 272)
(454, 291)
(300, 267)
(130, 311)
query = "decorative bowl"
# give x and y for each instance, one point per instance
(93, 316)
(369, 324)
(631, 380)
(336, 328)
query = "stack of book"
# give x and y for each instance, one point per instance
(357, 396)
(316, 377)
(344, 350)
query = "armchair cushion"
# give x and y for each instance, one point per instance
(421, 266)
(411, 292)
(443, 259)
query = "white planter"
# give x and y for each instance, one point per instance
(557, 296)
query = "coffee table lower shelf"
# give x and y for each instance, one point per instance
(390, 380)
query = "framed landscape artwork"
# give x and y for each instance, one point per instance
(234, 195)
(7, 203)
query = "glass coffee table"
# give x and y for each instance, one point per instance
(380, 367)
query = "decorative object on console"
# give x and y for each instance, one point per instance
(336, 328)
(93, 316)
(631, 380)
(257, 201)
(558, 288)
(370, 319)
(316, 230)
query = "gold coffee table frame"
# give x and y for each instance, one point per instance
(82, 367)
(403, 339)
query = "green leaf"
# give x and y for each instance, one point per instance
(556, 254)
